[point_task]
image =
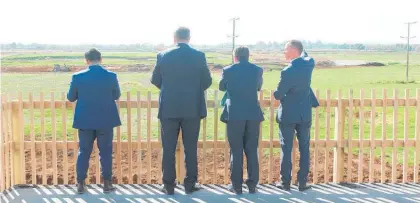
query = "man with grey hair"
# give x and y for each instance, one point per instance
(182, 75)
(295, 112)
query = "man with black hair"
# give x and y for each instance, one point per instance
(182, 75)
(242, 114)
(96, 114)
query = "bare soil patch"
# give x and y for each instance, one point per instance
(209, 173)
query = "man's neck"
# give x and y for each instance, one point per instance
(182, 42)
(94, 64)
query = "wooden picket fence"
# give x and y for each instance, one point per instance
(31, 155)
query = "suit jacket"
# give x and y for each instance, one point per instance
(182, 76)
(242, 81)
(95, 90)
(295, 93)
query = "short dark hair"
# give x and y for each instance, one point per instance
(182, 33)
(296, 44)
(93, 55)
(242, 53)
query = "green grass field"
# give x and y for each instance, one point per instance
(388, 77)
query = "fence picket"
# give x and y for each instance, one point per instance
(215, 131)
(417, 138)
(9, 165)
(394, 134)
(350, 138)
(139, 138)
(129, 139)
(3, 145)
(361, 132)
(316, 150)
(64, 134)
(327, 136)
(149, 132)
(32, 138)
(405, 155)
(54, 140)
(384, 125)
(272, 120)
(43, 148)
(372, 137)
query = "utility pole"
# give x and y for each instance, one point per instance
(233, 36)
(408, 47)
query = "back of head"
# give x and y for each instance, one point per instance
(93, 56)
(293, 50)
(242, 54)
(182, 35)
(297, 45)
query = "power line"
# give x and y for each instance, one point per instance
(233, 36)
(408, 46)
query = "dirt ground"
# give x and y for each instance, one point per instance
(156, 174)
(42, 69)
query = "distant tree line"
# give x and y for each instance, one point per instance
(260, 46)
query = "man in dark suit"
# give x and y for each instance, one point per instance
(182, 75)
(96, 114)
(243, 115)
(295, 112)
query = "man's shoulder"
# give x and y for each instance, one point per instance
(111, 73)
(288, 68)
(257, 67)
(303, 61)
(168, 50)
(197, 51)
(87, 71)
(228, 68)
(81, 72)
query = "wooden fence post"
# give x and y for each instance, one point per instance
(2, 144)
(17, 156)
(417, 150)
(338, 173)
(350, 137)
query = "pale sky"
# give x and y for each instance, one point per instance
(154, 21)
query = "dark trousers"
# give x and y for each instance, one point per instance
(169, 131)
(86, 139)
(243, 137)
(286, 133)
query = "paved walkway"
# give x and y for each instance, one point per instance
(376, 193)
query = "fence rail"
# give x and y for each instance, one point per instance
(370, 140)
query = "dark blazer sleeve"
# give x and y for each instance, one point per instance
(72, 93)
(157, 76)
(285, 84)
(223, 82)
(314, 100)
(205, 73)
(116, 92)
(260, 79)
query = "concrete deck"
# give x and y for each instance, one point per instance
(376, 193)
